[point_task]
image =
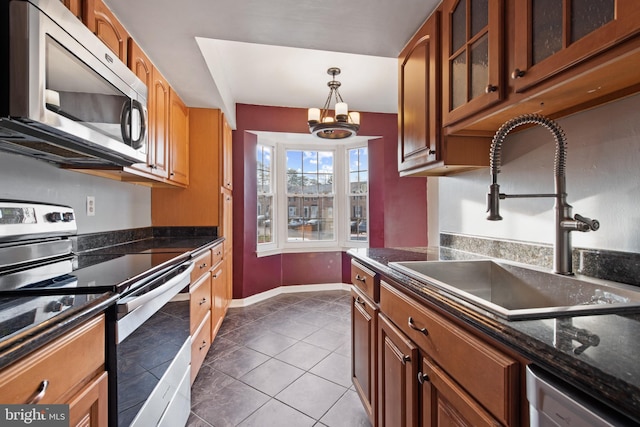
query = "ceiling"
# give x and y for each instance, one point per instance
(216, 53)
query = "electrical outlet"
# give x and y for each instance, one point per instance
(91, 206)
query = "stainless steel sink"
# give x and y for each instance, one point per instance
(515, 291)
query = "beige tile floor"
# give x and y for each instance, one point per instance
(284, 362)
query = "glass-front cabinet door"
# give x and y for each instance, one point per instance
(472, 55)
(551, 36)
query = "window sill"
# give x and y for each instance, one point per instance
(307, 249)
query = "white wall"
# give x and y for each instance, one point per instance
(118, 205)
(603, 182)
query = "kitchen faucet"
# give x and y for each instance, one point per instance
(562, 260)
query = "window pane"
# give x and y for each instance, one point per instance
(459, 26)
(479, 66)
(264, 196)
(479, 16)
(546, 23)
(459, 80)
(589, 15)
(358, 189)
(310, 190)
(265, 213)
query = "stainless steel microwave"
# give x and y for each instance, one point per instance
(64, 96)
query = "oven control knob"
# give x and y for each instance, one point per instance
(54, 306)
(67, 217)
(54, 217)
(67, 300)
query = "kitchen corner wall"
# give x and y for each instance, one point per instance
(118, 205)
(603, 182)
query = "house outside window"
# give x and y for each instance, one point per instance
(264, 155)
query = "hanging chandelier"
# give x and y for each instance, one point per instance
(323, 125)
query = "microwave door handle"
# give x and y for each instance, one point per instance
(125, 122)
(128, 304)
(137, 143)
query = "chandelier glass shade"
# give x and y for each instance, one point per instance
(327, 126)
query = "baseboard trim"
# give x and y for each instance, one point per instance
(253, 299)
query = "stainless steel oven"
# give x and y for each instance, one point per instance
(148, 334)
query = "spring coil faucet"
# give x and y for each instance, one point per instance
(562, 261)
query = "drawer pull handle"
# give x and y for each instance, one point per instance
(415, 328)
(203, 300)
(39, 393)
(405, 359)
(423, 378)
(204, 344)
(360, 278)
(361, 302)
(203, 265)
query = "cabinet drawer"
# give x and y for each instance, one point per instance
(200, 344)
(200, 301)
(67, 363)
(487, 374)
(202, 264)
(366, 280)
(217, 254)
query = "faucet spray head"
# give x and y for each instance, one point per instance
(493, 202)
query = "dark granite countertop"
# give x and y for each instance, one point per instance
(99, 246)
(610, 371)
(30, 339)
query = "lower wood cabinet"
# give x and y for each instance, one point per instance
(69, 370)
(413, 365)
(208, 302)
(364, 333)
(397, 377)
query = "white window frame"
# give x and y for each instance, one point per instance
(341, 215)
(273, 245)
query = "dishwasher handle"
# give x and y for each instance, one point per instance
(128, 304)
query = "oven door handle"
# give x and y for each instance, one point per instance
(128, 304)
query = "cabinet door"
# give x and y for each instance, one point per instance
(159, 125)
(89, 407)
(103, 23)
(75, 6)
(179, 139)
(444, 403)
(227, 155)
(472, 55)
(219, 291)
(397, 377)
(364, 331)
(554, 35)
(419, 97)
(227, 231)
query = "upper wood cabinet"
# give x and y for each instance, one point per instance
(227, 156)
(472, 55)
(200, 203)
(419, 97)
(75, 6)
(103, 23)
(423, 149)
(555, 35)
(178, 139)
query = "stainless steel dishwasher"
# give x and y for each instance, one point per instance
(554, 403)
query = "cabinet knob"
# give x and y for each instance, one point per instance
(517, 73)
(413, 326)
(359, 301)
(405, 359)
(203, 300)
(39, 393)
(432, 152)
(423, 378)
(490, 88)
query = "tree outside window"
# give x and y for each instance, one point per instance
(265, 194)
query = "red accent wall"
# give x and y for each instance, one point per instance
(397, 206)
